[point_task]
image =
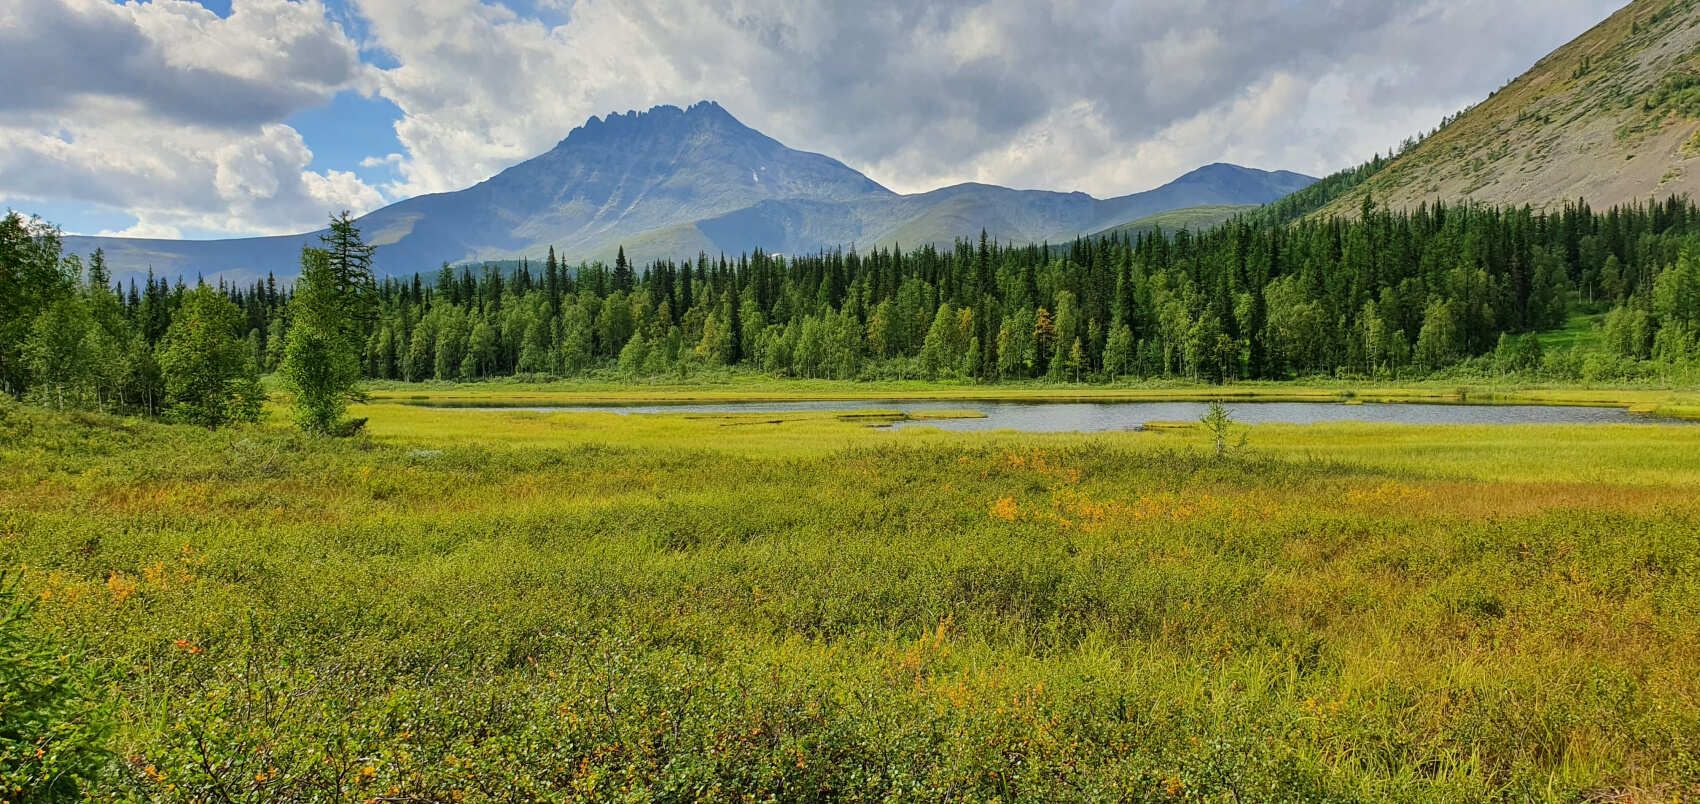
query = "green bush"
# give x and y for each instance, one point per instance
(51, 726)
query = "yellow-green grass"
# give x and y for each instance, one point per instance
(1580, 331)
(507, 605)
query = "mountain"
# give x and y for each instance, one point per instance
(960, 211)
(1194, 218)
(1611, 117)
(672, 182)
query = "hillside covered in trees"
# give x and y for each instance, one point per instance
(1388, 294)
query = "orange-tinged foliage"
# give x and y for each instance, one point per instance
(636, 605)
(120, 587)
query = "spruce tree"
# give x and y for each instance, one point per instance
(350, 263)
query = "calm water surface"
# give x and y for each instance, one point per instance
(1090, 417)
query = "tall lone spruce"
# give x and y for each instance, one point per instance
(335, 305)
(350, 262)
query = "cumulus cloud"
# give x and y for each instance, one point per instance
(173, 114)
(175, 60)
(142, 228)
(177, 177)
(387, 160)
(1105, 97)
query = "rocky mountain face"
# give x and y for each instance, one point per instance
(1610, 118)
(672, 182)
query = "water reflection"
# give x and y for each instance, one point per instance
(1091, 417)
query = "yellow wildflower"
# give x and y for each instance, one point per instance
(120, 587)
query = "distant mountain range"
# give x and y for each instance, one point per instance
(1611, 117)
(673, 182)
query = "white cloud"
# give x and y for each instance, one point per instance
(481, 88)
(145, 228)
(1108, 98)
(175, 60)
(340, 189)
(182, 177)
(168, 112)
(387, 160)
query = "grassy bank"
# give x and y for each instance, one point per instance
(503, 605)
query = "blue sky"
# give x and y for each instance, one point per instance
(223, 118)
(347, 130)
(352, 126)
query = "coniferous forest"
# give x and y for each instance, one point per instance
(1383, 295)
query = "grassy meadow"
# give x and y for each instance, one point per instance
(510, 605)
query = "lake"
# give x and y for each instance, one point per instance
(1091, 417)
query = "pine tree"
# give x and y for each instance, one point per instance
(1044, 340)
(624, 278)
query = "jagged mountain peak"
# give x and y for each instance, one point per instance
(661, 118)
(670, 181)
(700, 150)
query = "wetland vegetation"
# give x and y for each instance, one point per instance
(523, 605)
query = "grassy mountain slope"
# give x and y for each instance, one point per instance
(1611, 117)
(1194, 218)
(1033, 216)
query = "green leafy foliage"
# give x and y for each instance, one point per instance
(52, 725)
(321, 361)
(1406, 295)
(210, 377)
(1678, 93)
(32, 279)
(1431, 292)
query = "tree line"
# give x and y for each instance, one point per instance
(71, 338)
(1384, 294)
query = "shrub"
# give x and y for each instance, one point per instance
(51, 726)
(210, 378)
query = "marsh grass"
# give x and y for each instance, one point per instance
(510, 605)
